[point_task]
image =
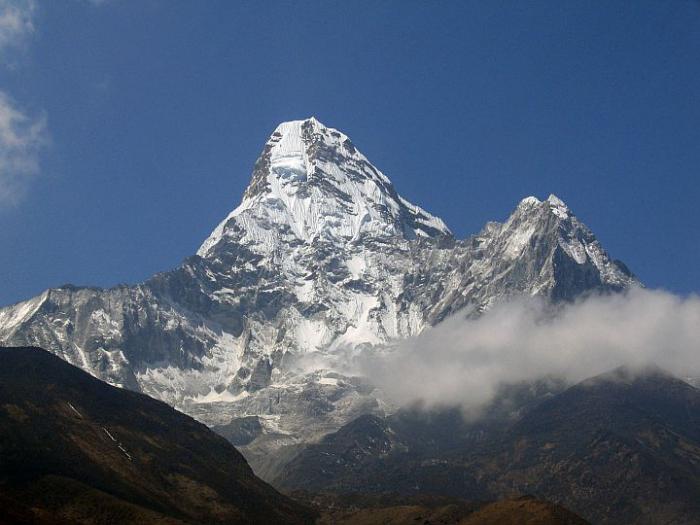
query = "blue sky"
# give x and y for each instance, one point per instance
(128, 129)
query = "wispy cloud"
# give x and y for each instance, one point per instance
(463, 362)
(16, 26)
(22, 135)
(22, 138)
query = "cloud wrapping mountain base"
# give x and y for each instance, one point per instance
(463, 362)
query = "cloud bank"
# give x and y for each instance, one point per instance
(463, 362)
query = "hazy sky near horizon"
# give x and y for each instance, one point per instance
(129, 128)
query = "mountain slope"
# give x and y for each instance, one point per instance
(619, 448)
(515, 511)
(74, 449)
(311, 184)
(322, 259)
(636, 458)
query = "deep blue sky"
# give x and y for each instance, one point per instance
(157, 111)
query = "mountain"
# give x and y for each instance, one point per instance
(523, 510)
(76, 450)
(623, 447)
(321, 260)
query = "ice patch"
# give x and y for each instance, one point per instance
(529, 201)
(356, 265)
(575, 249)
(517, 241)
(558, 207)
(219, 397)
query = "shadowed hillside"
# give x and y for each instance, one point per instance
(623, 447)
(76, 450)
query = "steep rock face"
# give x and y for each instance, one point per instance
(321, 259)
(312, 185)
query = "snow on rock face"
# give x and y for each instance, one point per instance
(558, 207)
(311, 184)
(321, 259)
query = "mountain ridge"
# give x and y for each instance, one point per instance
(620, 447)
(321, 260)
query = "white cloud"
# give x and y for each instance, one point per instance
(22, 138)
(16, 25)
(462, 362)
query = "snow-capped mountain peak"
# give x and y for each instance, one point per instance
(322, 259)
(554, 203)
(537, 228)
(528, 202)
(311, 184)
(558, 206)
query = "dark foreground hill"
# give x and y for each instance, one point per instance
(623, 447)
(76, 450)
(416, 509)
